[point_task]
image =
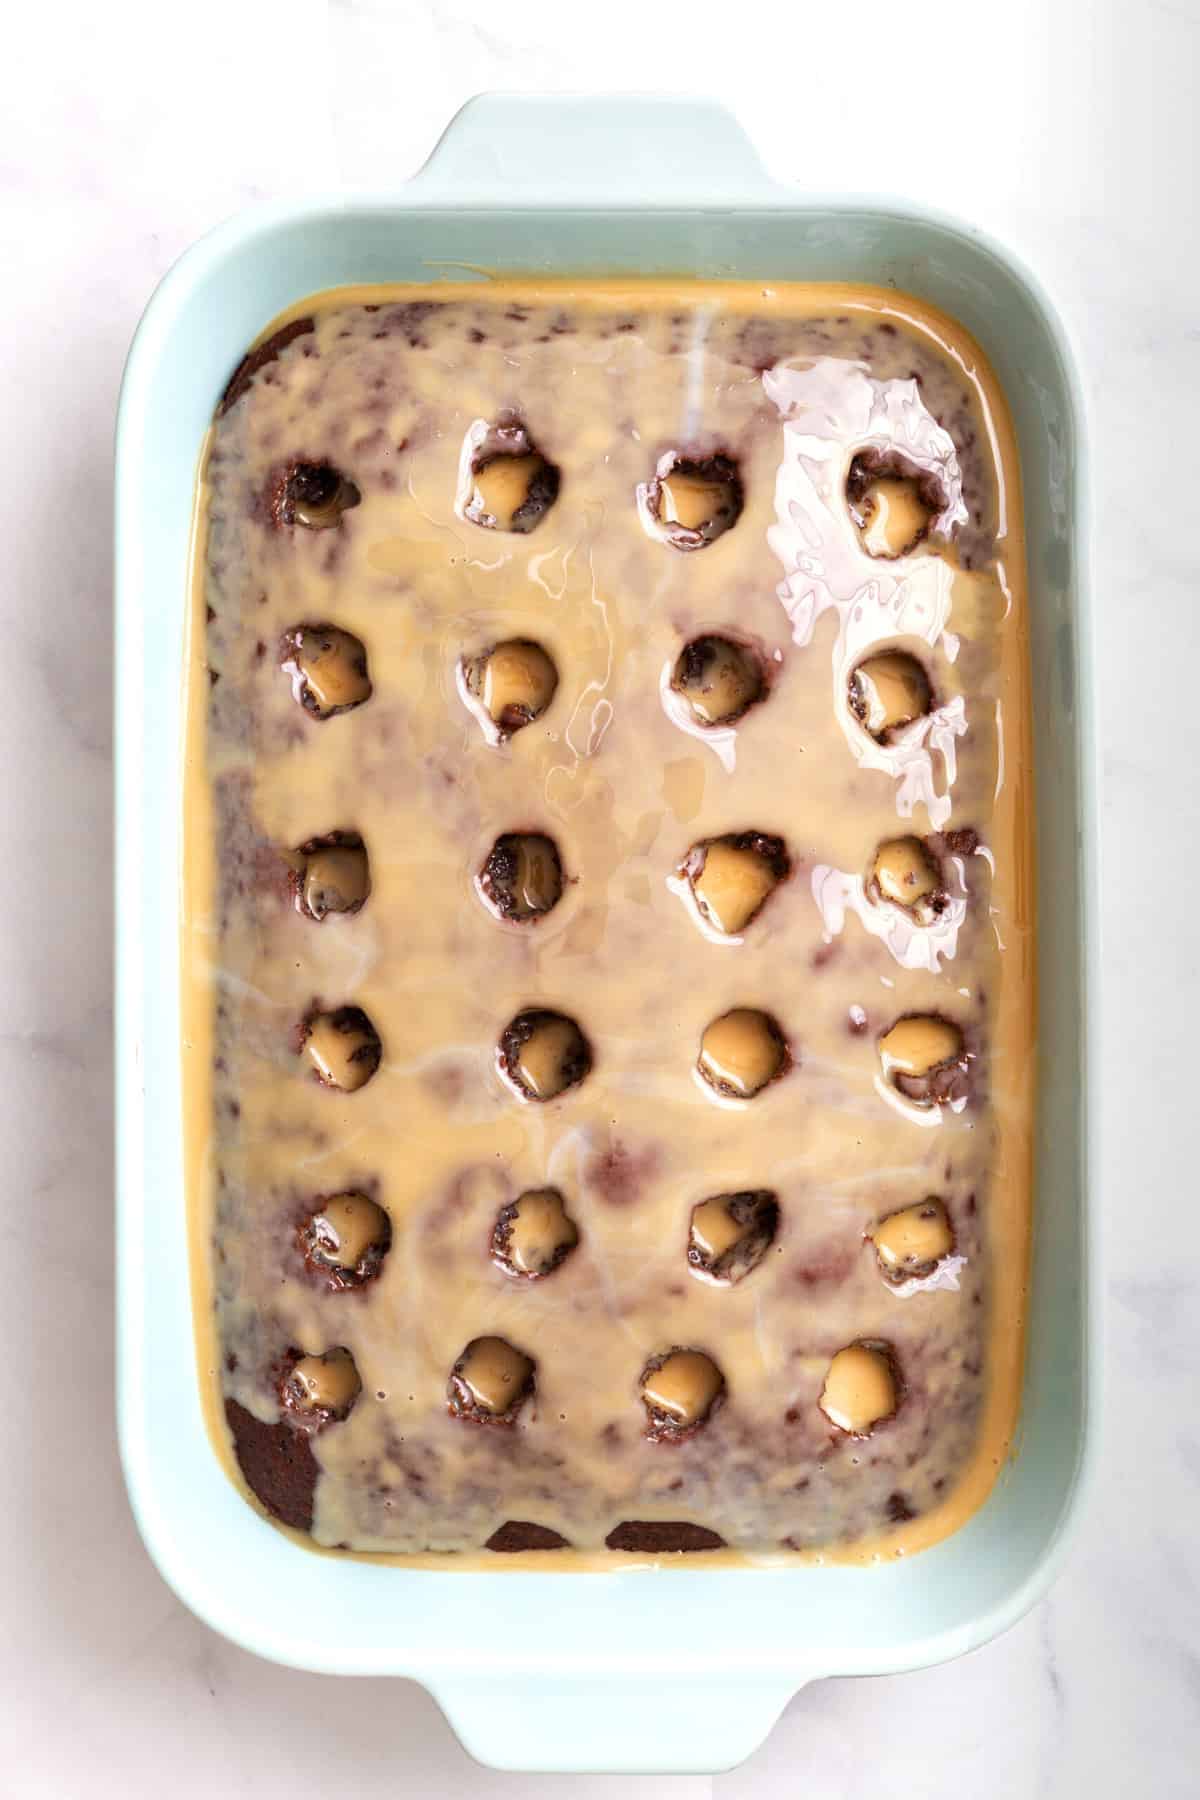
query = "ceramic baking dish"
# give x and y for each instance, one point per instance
(683, 1668)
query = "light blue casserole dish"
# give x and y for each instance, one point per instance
(683, 1668)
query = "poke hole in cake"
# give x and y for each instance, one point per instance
(546, 1215)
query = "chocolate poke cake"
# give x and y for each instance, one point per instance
(609, 979)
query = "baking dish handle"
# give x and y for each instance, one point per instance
(660, 1723)
(587, 149)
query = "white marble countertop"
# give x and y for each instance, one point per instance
(1069, 131)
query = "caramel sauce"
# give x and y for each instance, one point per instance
(789, 382)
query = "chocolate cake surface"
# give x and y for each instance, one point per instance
(522, 615)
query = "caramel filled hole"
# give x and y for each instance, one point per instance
(912, 1242)
(334, 875)
(491, 1379)
(731, 1233)
(679, 1391)
(742, 1052)
(924, 1057)
(733, 877)
(905, 873)
(512, 492)
(342, 1048)
(522, 878)
(514, 682)
(697, 501)
(861, 1388)
(534, 1234)
(348, 1236)
(891, 506)
(328, 668)
(543, 1054)
(323, 1386)
(720, 680)
(888, 692)
(316, 495)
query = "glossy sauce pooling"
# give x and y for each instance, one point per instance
(504, 659)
